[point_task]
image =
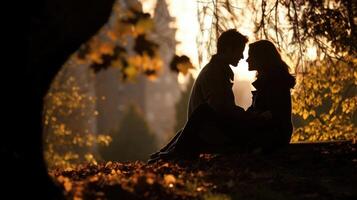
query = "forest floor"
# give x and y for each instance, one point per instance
(301, 171)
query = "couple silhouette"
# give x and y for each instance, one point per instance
(215, 124)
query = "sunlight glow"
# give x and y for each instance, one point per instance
(311, 53)
(241, 71)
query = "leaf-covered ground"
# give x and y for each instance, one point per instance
(302, 171)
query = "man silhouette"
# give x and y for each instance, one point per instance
(214, 121)
(214, 83)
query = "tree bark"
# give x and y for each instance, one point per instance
(57, 29)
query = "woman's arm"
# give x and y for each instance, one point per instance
(279, 102)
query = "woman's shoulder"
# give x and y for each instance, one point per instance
(284, 80)
(277, 81)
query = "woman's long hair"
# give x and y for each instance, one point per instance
(270, 62)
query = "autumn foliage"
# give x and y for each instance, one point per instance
(300, 172)
(326, 101)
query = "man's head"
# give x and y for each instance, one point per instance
(231, 45)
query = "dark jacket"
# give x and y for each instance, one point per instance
(273, 94)
(214, 87)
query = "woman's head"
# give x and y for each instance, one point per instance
(264, 57)
(266, 60)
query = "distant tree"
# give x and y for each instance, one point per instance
(69, 113)
(182, 64)
(182, 105)
(133, 140)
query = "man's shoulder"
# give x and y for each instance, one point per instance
(212, 67)
(207, 72)
(212, 74)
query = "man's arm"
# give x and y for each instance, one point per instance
(218, 88)
(221, 99)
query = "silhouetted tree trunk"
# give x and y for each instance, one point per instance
(57, 29)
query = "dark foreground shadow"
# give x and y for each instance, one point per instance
(299, 171)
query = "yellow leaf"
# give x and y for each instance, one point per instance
(95, 57)
(106, 48)
(169, 179)
(112, 35)
(305, 115)
(143, 26)
(131, 72)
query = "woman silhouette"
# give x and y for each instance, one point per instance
(273, 83)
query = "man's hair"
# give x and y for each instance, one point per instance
(230, 39)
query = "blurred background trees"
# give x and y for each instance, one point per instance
(130, 61)
(70, 119)
(132, 140)
(182, 105)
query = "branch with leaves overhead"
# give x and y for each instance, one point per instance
(294, 25)
(125, 44)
